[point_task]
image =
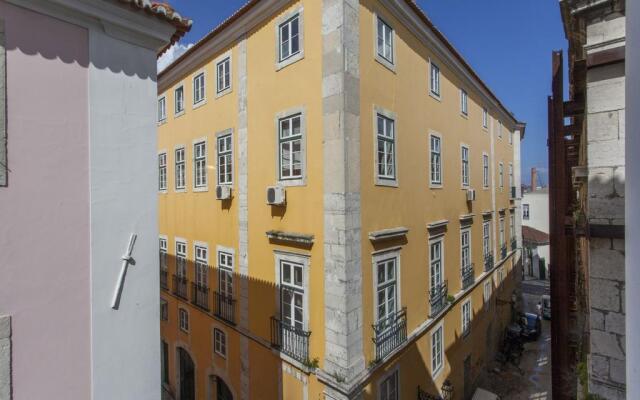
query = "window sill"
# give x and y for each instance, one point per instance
(164, 121)
(178, 114)
(224, 92)
(181, 190)
(485, 128)
(291, 60)
(434, 96)
(163, 191)
(436, 186)
(385, 63)
(292, 182)
(463, 115)
(386, 182)
(201, 189)
(199, 104)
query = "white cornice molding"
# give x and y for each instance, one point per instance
(212, 46)
(408, 17)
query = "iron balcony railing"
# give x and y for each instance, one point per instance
(488, 262)
(389, 333)
(290, 340)
(180, 286)
(468, 276)
(224, 307)
(164, 279)
(422, 395)
(503, 251)
(200, 296)
(438, 298)
(514, 244)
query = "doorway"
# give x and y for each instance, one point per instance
(187, 376)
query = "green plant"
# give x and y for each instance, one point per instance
(312, 364)
(450, 298)
(339, 378)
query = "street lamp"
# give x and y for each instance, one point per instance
(447, 390)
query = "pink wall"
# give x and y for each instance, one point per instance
(44, 212)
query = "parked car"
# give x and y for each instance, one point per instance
(546, 306)
(531, 326)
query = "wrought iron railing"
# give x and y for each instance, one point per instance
(468, 276)
(514, 244)
(200, 296)
(164, 279)
(290, 340)
(224, 307)
(438, 298)
(389, 333)
(503, 251)
(180, 286)
(422, 395)
(488, 262)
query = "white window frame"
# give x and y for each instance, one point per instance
(388, 62)
(379, 257)
(512, 226)
(198, 102)
(487, 292)
(178, 107)
(526, 212)
(464, 103)
(163, 252)
(486, 238)
(465, 231)
(298, 259)
(437, 354)
(282, 62)
(225, 152)
(439, 240)
(180, 169)
(220, 343)
(465, 166)
(201, 263)
(485, 118)
(485, 171)
(225, 261)
(164, 310)
(435, 87)
(466, 312)
(499, 127)
(510, 134)
(502, 232)
(225, 86)
(511, 183)
(162, 109)
(162, 171)
(296, 180)
(394, 375)
(385, 180)
(435, 183)
(181, 256)
(183, 319)
(501, 175)
(203, 185)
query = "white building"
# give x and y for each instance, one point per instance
(535, 214)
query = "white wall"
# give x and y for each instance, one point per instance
(538, 202)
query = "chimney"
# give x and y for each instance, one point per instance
(534, 179)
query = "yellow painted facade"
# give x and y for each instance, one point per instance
(251, 366)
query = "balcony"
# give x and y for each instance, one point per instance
(514, 244)
(468, 276)
(422, 395)
(503, 251)
(488, 262)
(389, 333)
(180, 286)
(224, 307)
(200, 296)
(164, 279)
(438, 299)
(290, 340)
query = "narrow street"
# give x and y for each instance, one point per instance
(531, 379)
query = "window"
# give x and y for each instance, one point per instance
(200, 164)
(289, 38)
(435, 79)
(386, 148)
(164, 310)
(502, 243)
(219, 342)
(292, 294)
(487, 293)
(525, 211)
(163, 254)
(500, 275)
(500, 129)
(436, 160)
(198, 88)
(386, 287)
(223, 70)
(385, 41)
(435, 262)
(388, 388)
(225, 273)
(464, 102)
(162, 171)
(486, 238)
(485, 118)
(465, 247)
(501, 175)
(465, 165)
(466, 317)
(225, 159)
(165, 362)
(485, 171)
(512, 226)
(184, 319)
(436, 351)
(181, 259)
(180, 169)
(201, 264)
(290, 138)
(162, 109)
(178, 95)
(510, 175)
(510, 137)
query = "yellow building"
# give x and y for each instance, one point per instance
(336, 207)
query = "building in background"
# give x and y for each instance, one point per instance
(587, 219)
(338, 208)
(77, 179)
(535, 229)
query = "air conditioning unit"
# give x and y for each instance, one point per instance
(514, 193)
(276, 196)
(223, 192)
(471, 194)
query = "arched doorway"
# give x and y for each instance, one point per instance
(222, 390)
(187, 376)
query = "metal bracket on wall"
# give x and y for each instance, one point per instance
(126, 260)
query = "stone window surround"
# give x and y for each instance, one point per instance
(183, 188)
(223, 338)
(394, 370)
(392, 116)
(303, 148)
(217, 61)
(205, 187)
(162, 120)
(382, 255)
(203, 101)
(439, 326)
(175, 89)
(432, 184)
(226, 132)
(391, 65)
(305, 261)
(280, 64)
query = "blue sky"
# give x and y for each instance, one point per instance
(508, 43)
